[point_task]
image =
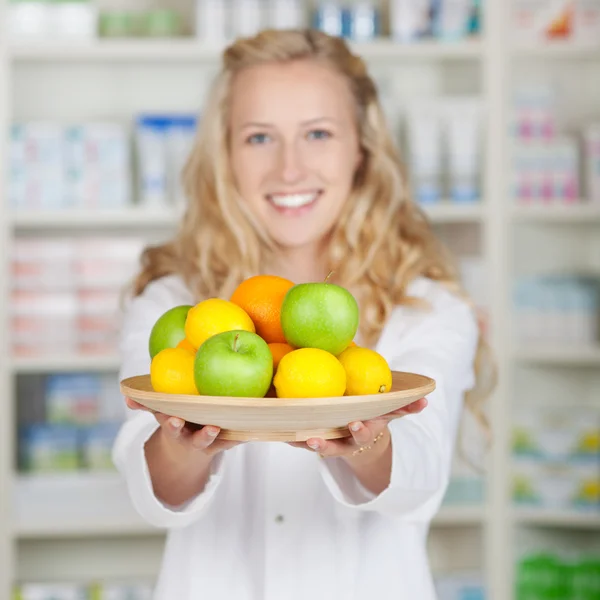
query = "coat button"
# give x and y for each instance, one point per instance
(279, 519)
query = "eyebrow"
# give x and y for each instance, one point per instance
(258, 125)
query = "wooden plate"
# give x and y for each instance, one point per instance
(279, 419)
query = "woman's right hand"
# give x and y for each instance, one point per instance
(181, 436)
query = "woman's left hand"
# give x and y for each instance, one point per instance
(362, 434)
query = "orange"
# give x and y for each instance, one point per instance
(261, 297)
(185, 344)
(279, 350)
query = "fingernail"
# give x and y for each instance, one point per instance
(355, 427)
(313, 445)
(176, 423)
(212, 432)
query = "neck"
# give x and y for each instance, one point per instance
(302, 264)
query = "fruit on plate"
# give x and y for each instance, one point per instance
(172, 372)
(309, 373)
(261, 297)
(367, 372)
(319, 315)
(214, 316)
(169, 330)
(234, 363)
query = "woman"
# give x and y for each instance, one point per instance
(295, 174)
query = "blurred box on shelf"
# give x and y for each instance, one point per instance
(561, 486)
(51, 20)
(66, 293)
(592, 161)
(57, 166)
(567, 434)
(535, 21)
(547, 173)
(557, 309)
(129, 590)
(444, 147)
(545, 575)
(556, 458)
(460, 586)
(46, 447)
(162, 146)
(69, 421)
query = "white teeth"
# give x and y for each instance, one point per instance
(292, 200)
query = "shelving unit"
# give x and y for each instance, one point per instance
(43, 540)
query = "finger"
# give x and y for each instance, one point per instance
(416, 407)
(361, 434)
(203, 438)
(329, 448)
(133, 405)
(173, 426)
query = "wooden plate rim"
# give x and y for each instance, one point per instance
(428, 385)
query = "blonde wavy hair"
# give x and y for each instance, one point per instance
(381, 242)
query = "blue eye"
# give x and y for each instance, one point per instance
(319, 134)
(258, 138)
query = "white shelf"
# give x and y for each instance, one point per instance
(62, 364)
(568, 50)
(559, 355)
(447, 212)
(139, 218)
(75, 505)
(457, 516)
(189, 50)
(558, 519)
(97, 505)
(584, 214)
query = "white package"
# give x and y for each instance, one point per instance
(246, 17)
(587, 21)
(212, 21)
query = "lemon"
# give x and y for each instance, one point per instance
(309, 373)
(214, 316)
(367, 372)
(172, 372)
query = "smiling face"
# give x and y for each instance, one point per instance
(294, 147)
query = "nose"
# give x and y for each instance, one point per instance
(291, 163)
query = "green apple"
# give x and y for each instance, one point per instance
(319, 315)
(168, 330)
(234, 363)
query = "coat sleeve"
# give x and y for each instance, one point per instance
(440, 344)
(128, 451)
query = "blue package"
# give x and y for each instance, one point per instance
(48, 447)
(329, 17)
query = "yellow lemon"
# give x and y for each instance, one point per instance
(172, 372)
(214, 316)
(367, 372)
(309, 373)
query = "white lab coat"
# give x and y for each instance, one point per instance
(276, 522)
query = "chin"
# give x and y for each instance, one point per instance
(295, 239)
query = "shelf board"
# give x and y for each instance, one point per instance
(447, 212)
(558, 49)
(97, 505)
(139, 218)
(559, 355)
(558, 519)
(456, 516)
(190, 50)
(63, 364)
(74, 506)
(581, 213)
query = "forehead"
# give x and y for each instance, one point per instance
(305, 89)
